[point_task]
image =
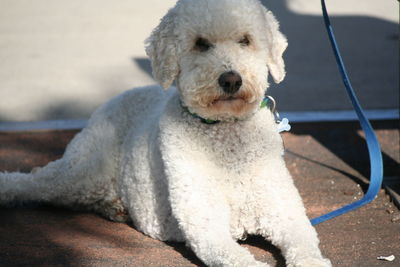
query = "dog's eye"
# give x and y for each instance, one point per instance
(244, 41)
(202, 45)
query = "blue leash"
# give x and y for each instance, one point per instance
(374, 150)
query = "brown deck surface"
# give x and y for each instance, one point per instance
(328, 161)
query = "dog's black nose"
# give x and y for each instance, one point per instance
(230, 82)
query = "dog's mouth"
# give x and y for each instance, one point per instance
(234, 106)
(225, 106)
(228, 100)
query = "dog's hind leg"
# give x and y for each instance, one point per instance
(41, 185)
(84, 177)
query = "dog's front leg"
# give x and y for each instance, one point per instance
(297, 241)
(203, 215)
(283, 220)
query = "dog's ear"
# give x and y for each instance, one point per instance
(277, 45)
(161, 48)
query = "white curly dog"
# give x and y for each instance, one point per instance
(149, 156)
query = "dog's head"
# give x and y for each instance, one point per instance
(219, 52)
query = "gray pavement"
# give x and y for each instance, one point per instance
(61, 59)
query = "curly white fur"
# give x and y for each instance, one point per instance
(144, 157)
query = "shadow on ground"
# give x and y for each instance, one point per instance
(348, 144)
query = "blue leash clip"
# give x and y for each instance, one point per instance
(375, 154)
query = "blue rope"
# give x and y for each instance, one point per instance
(374, 150)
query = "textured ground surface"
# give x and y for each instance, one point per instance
(328, 161)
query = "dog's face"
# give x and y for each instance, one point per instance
(220, 53)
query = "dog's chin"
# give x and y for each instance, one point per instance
(227, 108)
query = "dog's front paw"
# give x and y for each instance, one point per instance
(251, 263)
(261, 264)
(312, 262)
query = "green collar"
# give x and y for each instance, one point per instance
(268, 101)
